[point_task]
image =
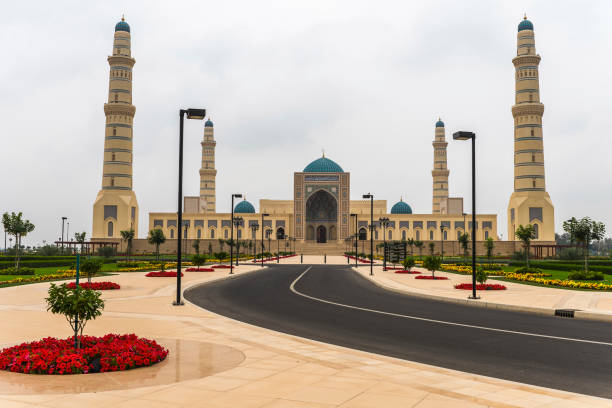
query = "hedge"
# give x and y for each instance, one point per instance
(558, 266)
(36, 264)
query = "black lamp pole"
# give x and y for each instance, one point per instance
(262, 237)
(239, 223)
(384, 221)
(462, 135)
(371, 197)
(356, 248)
(64, 220)
(198, 114)
(254, 228)
(232, 234)
(441, 241)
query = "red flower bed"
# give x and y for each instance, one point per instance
(160, 274)
(431, 277)
(200, 270)
(484, 286)
(221, 267)
(112, 352)
(406, 271)
(95, 285)
(393, 268)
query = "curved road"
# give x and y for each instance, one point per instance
(334, 304)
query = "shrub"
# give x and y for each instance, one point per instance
(581, 275)
(481, 275)
(20, 271)
(91, 267)
(570, 254)
(198, 259)
(528, 270)
(221, 255)
(130, 264)
(432, 263)
(107, 251)
(408, 263)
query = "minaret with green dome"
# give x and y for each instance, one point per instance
(440, 170)
(529, 203)
(208, 172)
(116, 207)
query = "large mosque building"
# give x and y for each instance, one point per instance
(321, 216)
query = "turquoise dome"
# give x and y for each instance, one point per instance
(525, 25)
(439, 123)
(323, 165)
(244, 207)
(208, 123)
(122, 26)
(401, 208)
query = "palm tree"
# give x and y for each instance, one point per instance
(464, 240)
(221, 244)
(525, 234)
(128, 236)
(156, 237)
(410, 243)
(489, 245)
(80, 238)
(419, 245)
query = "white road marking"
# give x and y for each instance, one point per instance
(292, 287)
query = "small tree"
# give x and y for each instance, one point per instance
(196, 246)
(221, 244)
(15, 225)
(432, 263)
(489, 245)
(410, 243)
(156, 237)
(77, 305)
(80, 238)
(106, 251)
(432, 246)
(128, 236)
(464, 240)
(419, 245)
(585, 231)
(91, 267)
(525, 234)
(198, 259)
(408, 263)
(481, 275)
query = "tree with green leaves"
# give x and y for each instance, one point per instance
(156, 237)
(90, 267)
(80, 238)
(525, 234)
(410, 243)
(464, 241)
(128, 236)
(198, 260)
(584, 231)
(15, 225)
(419, 245)
(221, 244)
(77, 305)
(569, 227)
(432, 263)
(210, 249)
(432, 247)
(196, 246)
(489, 245)
(408, 263)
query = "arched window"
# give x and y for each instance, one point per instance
(363, 234)
(116, 98)
(536, 230)
(113, 157)
(375, 234)
(533, 157)
(199, 233)
(532, 132)
(225, 234)
(445, 235)
(530, 97)
(534, 183)
(172, 234)
(390, 235)
(212, 233)
(486, 234)
(431, 235)
(112, 181)
(418, 235)
(404, 235)
(458, 235)
(110, 229)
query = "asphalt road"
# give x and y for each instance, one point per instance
(335, 305)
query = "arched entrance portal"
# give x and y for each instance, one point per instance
(321, 234)
(321, 217)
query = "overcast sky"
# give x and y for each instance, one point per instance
(364, 80)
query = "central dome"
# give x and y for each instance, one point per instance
(323, 165)
(244, 207)
(401, 208)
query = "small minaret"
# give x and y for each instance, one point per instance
(116, 207)
(529, 203)
(208, 173)
(440, 170)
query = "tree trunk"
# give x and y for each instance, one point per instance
(18, 253)
(586, 257)
(527, 254)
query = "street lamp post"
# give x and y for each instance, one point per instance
(63, 221)
(384, 222)
(372, 226)
(441, 241)
(262, 236)
(191, 114)
(462, 135)
(356, 248)
(238, 222)
(254, 228)
(232, 234)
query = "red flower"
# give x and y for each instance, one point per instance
(95, 285)
(485, 286)
(167, 274)
(431, 277)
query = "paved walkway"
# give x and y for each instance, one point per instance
(270, 370)
(592, 304)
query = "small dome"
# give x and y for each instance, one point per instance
(439, 123)
(244, 207)
(122, 26)
(323, 165)
(525, 25)
(401, 208)
(208, 123)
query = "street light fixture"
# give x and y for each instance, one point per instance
(191, 114)
(372, 226)
(441, 241)
(462, 135)
(384, 222)
(254, 228)
(356, 247)
(262, 236)
(63, 221)
(232, 234)
(238, 222)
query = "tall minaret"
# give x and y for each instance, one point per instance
(116, 207)
(529, 203)
(208, 173)
(440, 170)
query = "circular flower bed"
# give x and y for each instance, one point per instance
(483, 286)
(431, 277)
(406, 271)
(165, 274)
(112, 352)
(95, 285)
(199, 270)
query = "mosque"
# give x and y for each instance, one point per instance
(321, 215)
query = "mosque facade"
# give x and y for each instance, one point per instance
(321, 211)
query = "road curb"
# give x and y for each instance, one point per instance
(578, 314)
